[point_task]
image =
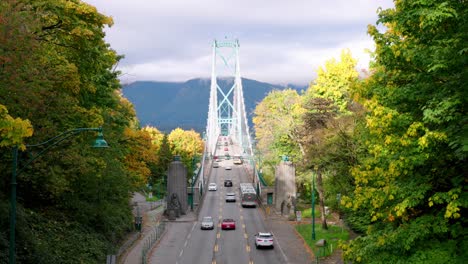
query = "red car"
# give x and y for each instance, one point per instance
(226, 149)
(228, 223)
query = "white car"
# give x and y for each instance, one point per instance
(207, 223)
(263, 240)
(228, 168)
(212, 187)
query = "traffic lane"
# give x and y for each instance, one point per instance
(168, 247)
(254, 223)
(193, 251)
(231, 244)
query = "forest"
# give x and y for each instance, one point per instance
(387, 145)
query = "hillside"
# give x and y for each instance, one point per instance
(168, 105)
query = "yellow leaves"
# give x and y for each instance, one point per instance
(13, 130)
(452, 210)
(156, 135)
(452, 198)
(431, 137)
(82, 32)
(414, 129)
(185, 143)
(346, 201)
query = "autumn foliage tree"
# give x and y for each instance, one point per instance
(185, 143)
(57, 74)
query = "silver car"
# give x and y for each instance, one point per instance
(230, 197)
(207, 223)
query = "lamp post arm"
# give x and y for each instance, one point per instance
(54, 141)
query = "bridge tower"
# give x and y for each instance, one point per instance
(226, 113)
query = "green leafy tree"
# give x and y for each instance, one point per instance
(328, 103)
(277, 121)
(411, 185)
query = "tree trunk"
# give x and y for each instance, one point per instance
(321, 199)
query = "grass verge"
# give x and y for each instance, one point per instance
(332, 236)
(306, 213)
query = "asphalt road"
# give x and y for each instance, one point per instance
(188, 244)
(227, 246)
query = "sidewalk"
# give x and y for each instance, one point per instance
(292, 246)
(168, 247)
(285, 232)
(152, 214)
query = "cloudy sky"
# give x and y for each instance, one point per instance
(281, 41)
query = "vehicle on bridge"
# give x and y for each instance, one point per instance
(263, 240)
(227, 183)
(248, 195)
(212, 187)
(230, 197)
(207, 223)
(228, 223)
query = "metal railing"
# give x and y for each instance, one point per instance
(151, 240)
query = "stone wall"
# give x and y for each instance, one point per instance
(285, 187)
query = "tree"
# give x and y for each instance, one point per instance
(411, 182)
(13, 130)
(277, 120)
(58, 73)
(164, 159)
(327, 103)
(141, 156)
(333, 82)
(186, 144)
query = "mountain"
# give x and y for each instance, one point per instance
(168, 105)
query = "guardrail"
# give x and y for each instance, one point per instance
(151, 240)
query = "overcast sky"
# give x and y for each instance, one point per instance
(281, 41)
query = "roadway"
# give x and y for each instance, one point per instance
(222, 246)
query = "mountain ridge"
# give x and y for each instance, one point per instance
(168, 105)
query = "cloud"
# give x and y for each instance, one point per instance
(281, 41)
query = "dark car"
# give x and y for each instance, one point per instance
(227, 183)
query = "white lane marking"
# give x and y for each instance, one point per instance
(181, 252)
(279, 246)
(186, 241)
(193, 227)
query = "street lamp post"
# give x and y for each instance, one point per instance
(192, 182)
(313, 207)
(98, 143)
